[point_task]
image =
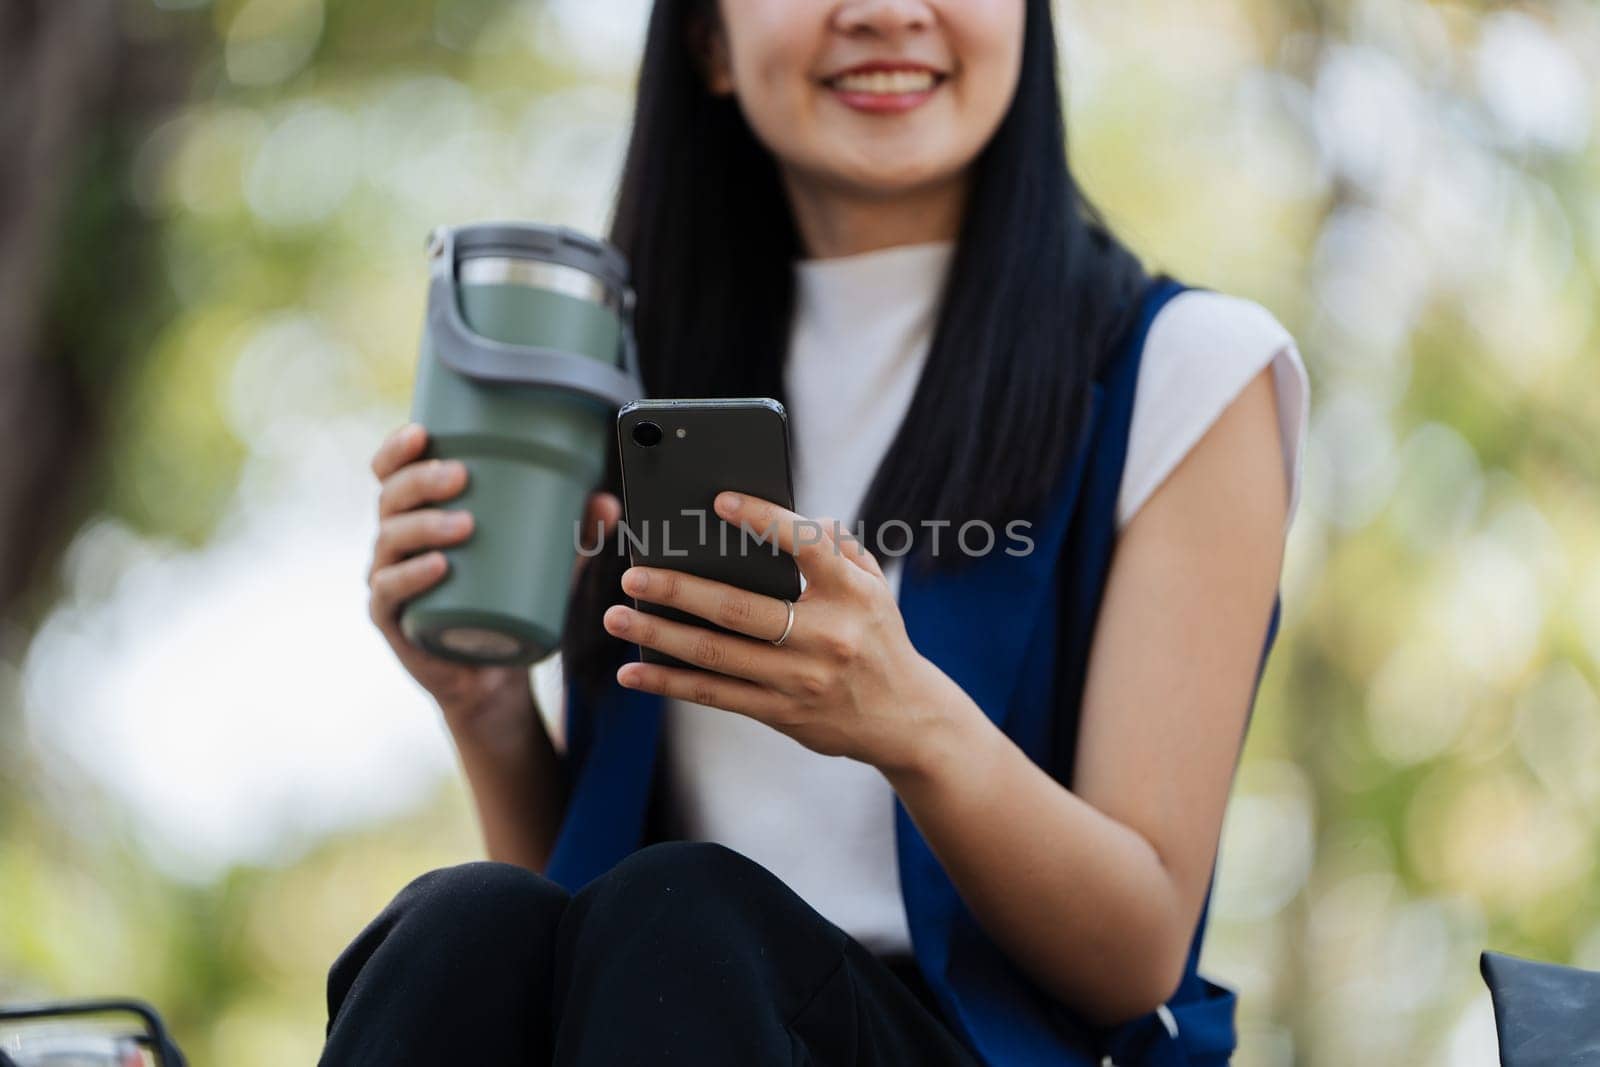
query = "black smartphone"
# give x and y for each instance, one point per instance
(677, 455)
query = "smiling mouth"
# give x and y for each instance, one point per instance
(885, 82)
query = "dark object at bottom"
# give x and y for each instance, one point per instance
(49, 1046)
(683, 952)
(1545, 1014)
(904, 967)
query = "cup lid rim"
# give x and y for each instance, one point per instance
(541, 241)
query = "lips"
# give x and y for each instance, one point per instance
(885, 82)
(885, 86)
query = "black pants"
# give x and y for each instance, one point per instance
(683, 953)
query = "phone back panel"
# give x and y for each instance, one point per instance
(706, 447)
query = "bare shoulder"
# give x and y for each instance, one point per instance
(1231, 482)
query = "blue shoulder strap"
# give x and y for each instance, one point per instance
(1195, 1028)
(1092, 538)
(980, 625)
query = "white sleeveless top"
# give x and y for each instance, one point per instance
(863, 323)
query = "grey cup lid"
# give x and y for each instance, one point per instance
(561, 245)
(547, 252)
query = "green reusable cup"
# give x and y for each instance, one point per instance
(526, 354)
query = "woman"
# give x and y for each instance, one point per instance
(858, 843)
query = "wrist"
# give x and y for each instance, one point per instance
(500, 721)
(944, 730)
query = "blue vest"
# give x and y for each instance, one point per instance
(1014, 632)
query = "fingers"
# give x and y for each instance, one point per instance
(738, 609)
(418, 483)
(392, 586)
(851, 547)
(804, 539)
(604, 507)
(723, 653)
(601, 515)
(401, 565)
(410, 532)
(398, 449)
(698, 687)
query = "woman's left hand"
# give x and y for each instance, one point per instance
(845, 682)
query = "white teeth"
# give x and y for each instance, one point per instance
(888, 82)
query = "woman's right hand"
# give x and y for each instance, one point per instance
(407, 561)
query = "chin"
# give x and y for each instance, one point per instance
(894, 176)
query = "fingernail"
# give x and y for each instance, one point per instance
(627, 674)
(635, 580)
(617, 619)
(731, 502)
(460, 520)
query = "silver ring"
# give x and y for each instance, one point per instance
(788, 625)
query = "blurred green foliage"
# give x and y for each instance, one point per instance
(1410, 186)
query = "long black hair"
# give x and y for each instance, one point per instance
(1037, 295)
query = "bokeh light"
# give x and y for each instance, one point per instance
(214, 770)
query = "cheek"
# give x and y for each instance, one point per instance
(775, 107)
(986, 35)
(771, 64)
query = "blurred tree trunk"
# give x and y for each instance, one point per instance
(80, 82)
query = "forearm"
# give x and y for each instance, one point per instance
(516, 777)
(1080, 902)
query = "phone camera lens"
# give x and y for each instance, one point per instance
(646, 434)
